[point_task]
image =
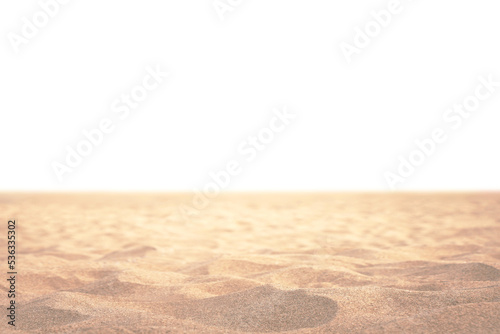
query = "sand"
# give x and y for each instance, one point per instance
(264, 263)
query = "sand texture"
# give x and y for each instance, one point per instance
(263, 263)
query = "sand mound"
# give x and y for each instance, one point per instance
(42, 314)
(451, 271)
(262, 309)
(127, 254)
(462, 272)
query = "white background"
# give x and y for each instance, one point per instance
(353, 121)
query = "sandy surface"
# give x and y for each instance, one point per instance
(309, 263)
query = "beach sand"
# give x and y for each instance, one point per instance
(264, 263)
